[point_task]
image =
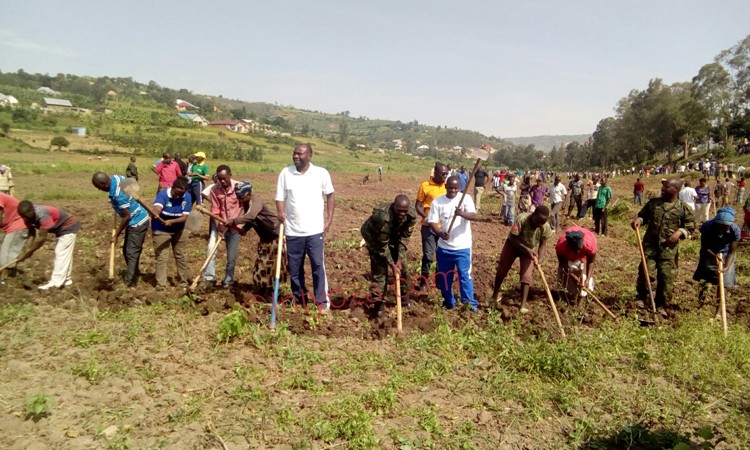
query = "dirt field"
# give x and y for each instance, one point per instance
(143, 369)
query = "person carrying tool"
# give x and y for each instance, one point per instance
(226, 205)
(530, 230)
(668, 220)
(387, 232)
(720, 237)
(258, 216)
(173, 206)
(576, 253)
(134, 222)
(454, 245)
(50, 220)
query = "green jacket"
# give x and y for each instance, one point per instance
(663, 219)
(383, 230)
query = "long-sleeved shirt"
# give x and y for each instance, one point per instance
(262, 219)
(383, 230)
(225, 204)
(664, 218)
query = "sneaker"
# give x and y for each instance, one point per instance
(68, 282)
(47, 286)
(524, 310)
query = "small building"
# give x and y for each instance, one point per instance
(182, 105)
(193, 118)
(57, 104)
(79, 131)
(111, 94)
(238, 126)
(47, 91)
(8, 100)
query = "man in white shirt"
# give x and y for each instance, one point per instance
(299, 204)
(454, 248)
(687, 195)
(507, 211)
(557, 198)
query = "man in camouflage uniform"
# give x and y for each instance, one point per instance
(668, 220)
(387, 232)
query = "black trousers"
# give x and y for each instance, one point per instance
(132, 248)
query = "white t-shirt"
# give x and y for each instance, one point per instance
(687, 195)
(558, 193)
(442, 210)
(509, 191)
(303, 196)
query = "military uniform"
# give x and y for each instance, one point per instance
(387, 237)
(663, 218)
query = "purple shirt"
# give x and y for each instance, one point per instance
(703, 194)
(537, 194)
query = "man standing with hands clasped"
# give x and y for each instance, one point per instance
(299, 205)
(454, 248)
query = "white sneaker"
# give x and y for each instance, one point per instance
(45, 287)
(68, 282)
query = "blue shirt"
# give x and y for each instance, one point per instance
(463, 179)
(718, 243)
(120, 201)
(171, 209)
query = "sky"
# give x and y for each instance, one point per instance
(503, 68)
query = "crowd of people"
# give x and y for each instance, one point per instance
(304, 211)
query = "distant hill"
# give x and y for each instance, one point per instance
(546, 142)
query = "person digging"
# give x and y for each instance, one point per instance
(530, 230)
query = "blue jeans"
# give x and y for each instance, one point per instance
(296, 249)
(232, 241)
(448, 263)
(508, 212)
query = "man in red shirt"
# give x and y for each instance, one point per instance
(14, 229)
(576, 252)
(50, 220)
(168, 171)
(225, 204)
(638, 189)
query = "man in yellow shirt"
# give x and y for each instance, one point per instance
(428, 191)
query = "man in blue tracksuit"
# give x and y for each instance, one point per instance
(454, 248)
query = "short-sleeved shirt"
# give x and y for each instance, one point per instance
(171, 209)
(303, 196)
(509, 192)
(604, 194)
(442, 211)
(559, 191)
(576, 188)
(55, 221)
(480, 177)
(588, 250)
(638, 187)
(120, 201)
(427, 193)
(718, 243)
(703, 194)
(201, 169)
(463, 180)
(12, 221)
(537, 194)
(593, 190)
(530, 236)
(225, 204)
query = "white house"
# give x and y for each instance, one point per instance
(8, 100)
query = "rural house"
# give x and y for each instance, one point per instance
(57, 104)
(8, 100)
(47, 91)
(193, 118)
(238, 126)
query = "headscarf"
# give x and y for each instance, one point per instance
(243, 188)
(574, 239)
(725, 215)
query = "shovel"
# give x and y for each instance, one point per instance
(112, 251)
(722, 298)
(645, 271)
(277, 277)
(549, 296)
(205, 263)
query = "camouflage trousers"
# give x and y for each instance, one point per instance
(379, 269)
(662, 269)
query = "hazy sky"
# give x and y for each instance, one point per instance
(505, 68)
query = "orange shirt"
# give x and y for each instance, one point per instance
(429, 191)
